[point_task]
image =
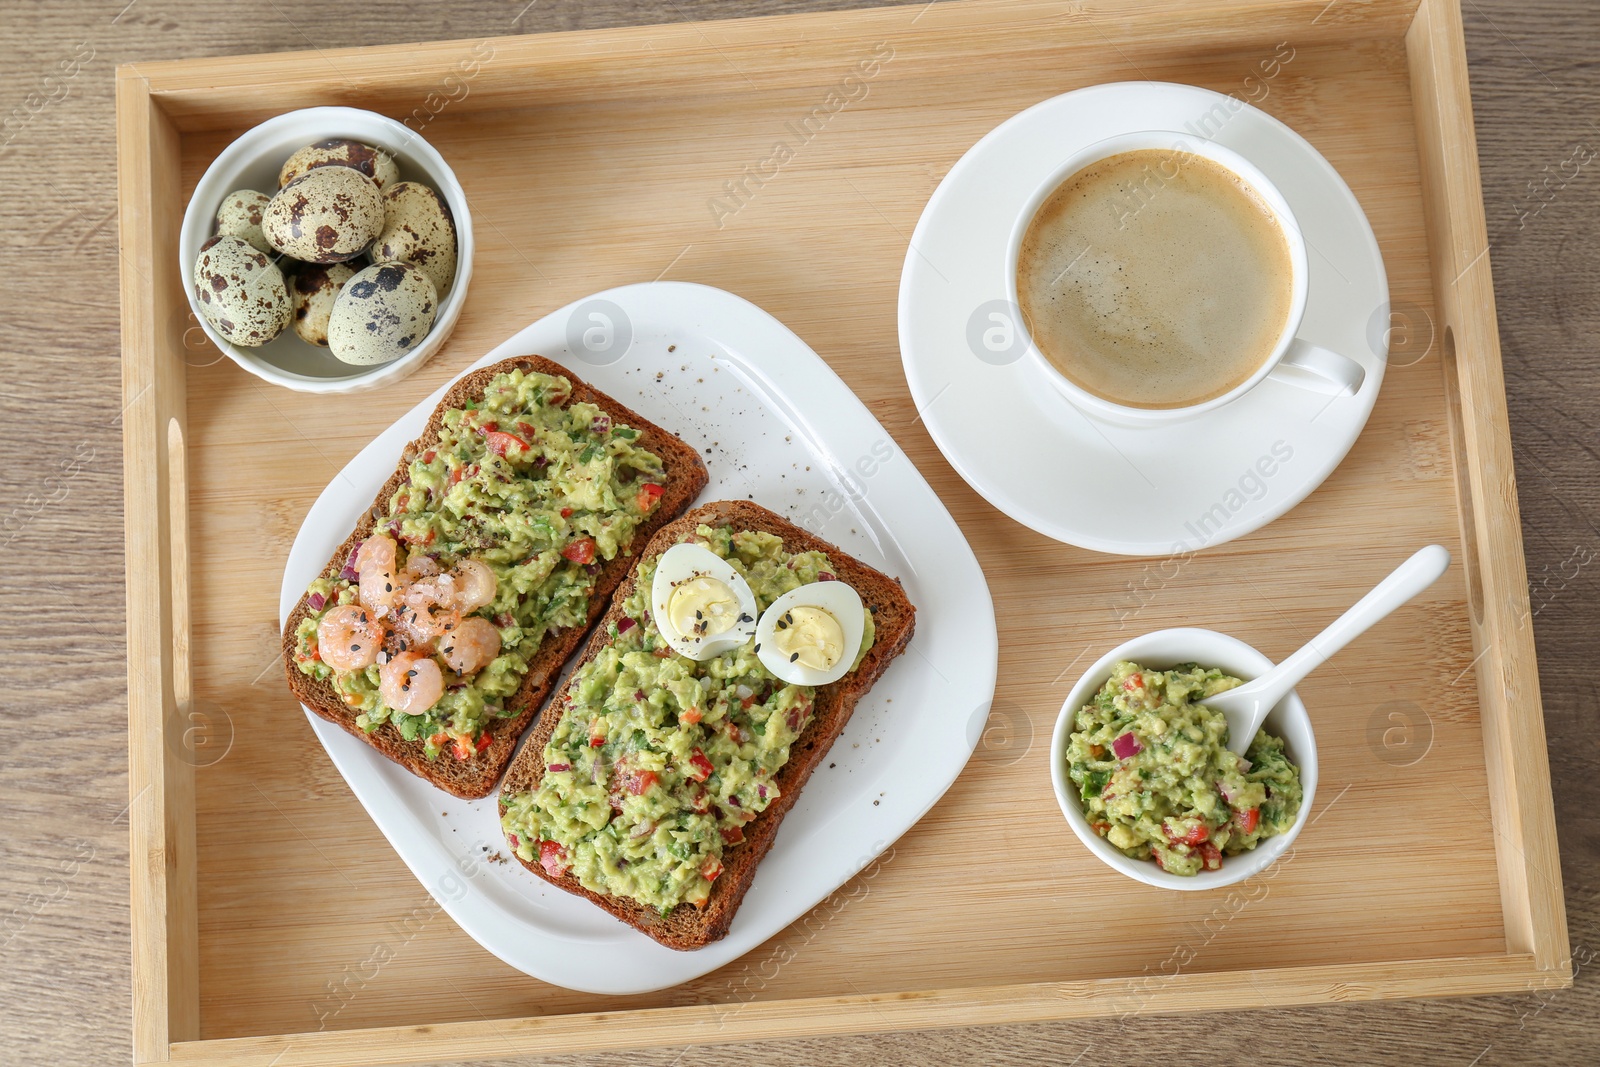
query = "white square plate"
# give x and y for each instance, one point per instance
(775, 425)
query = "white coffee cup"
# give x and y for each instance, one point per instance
(1292, 360)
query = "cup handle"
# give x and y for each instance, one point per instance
(1319, 369)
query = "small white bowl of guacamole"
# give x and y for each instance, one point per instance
(1141, 772)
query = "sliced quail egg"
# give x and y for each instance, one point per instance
(702, 606)
(811, 635)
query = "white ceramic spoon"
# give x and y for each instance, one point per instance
(1247, 705)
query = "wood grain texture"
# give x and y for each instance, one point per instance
(65, 846)
(847, 200)
(161, 783)
(1492, 556)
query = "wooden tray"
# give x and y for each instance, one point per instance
(272, 924)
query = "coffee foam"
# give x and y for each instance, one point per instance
(1155, 279)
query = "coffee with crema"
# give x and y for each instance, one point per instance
(1155, 279)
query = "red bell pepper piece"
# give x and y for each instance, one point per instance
(649, 493)
(553, 858)
(1194, 835)
(502, 443)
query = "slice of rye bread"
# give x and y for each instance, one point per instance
(475, 777)
(894, 619)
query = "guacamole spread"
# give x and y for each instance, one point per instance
(540, 489)
(658, 761)
(1156, 778)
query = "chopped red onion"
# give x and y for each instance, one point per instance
(601, 424)
(624, 624)
(559, 767)
(316, 600)
(824, 576)
(1126, 745)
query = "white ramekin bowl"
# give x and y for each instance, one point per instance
(1162, 650)
(253, 162)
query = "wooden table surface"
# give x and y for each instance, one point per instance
(64, 951)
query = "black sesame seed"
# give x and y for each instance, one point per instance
(758, 646)
(794, 656)
(356, 647)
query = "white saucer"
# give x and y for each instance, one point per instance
(1132, 490)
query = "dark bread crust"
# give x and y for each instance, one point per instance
(894, 619)
(472, 778)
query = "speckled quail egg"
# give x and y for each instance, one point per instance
(240, 216)
(811, 635)
(702, 606)
(241, 291)
(313, 289)
(418, 229)
(381, 314)
(375, 163)
(327, 215)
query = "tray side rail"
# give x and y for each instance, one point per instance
(161, 795)
(1496, 573)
